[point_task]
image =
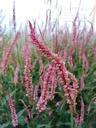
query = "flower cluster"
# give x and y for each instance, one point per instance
(74, 38)
(79, 120)
(27, 73)
(41, 105)
(16, 75)
(41, 47)
(5, 58)
(36, 93)
(70, 90)
(13, 111)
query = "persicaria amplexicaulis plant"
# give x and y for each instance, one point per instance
(71, 91)
(54, 84)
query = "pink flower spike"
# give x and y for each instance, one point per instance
(82, 112)
(74, 36)
(70, 92)
(5, 57)
(41, 105)
(77, 120)
(16, 75)
(36, 93)
(13, 111)
(41, 47)
(82, 83)
(50, 113)
(27, 72)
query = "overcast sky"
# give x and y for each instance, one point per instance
(28, 9)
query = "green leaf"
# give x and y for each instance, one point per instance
(21, 112)
(28, 126)
(5, 125)
(60, 123)
(71, 120)
(77, 69)
(12, 93)
(44, 125)
(21, 120)
(49, 125)
(2, 109)
(41, 125)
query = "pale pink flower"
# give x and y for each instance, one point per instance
(59, 103)
(16, 75)
(29, 113)
(26, 119)
(27, 73)
(41, 105)
(13, 111)
(85, 62)
(36, 93)
(70, 60)
(81, 83)
(77, 120)
(41, 47)
(74, 35)
(82, 113)
(50, 113)
(70, 90)
(5, 58)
